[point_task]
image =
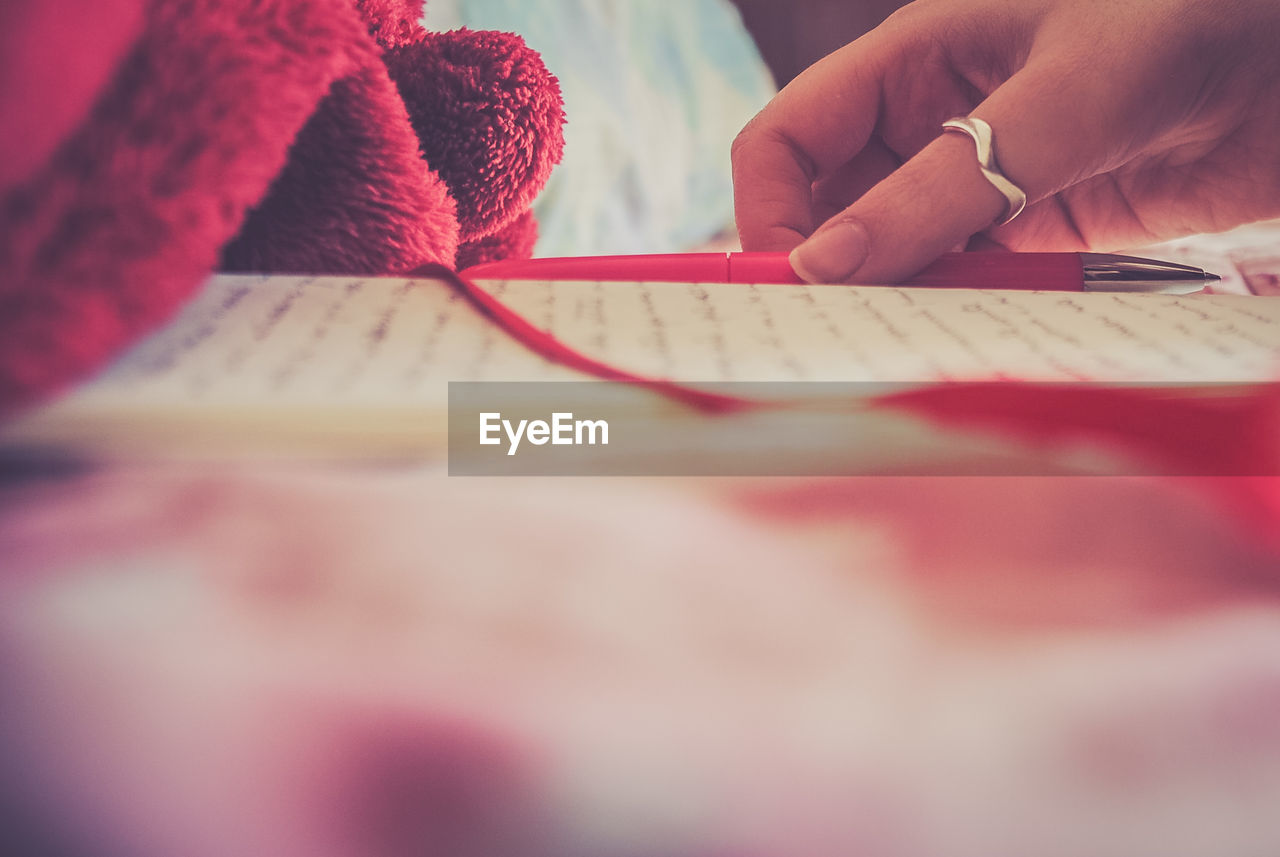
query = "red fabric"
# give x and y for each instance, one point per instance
(1227, 441)
(1221, 431)
(514, 241)
(1252, 500)
(392, 22)
(323, 213)
(50, 73)
(148, 142)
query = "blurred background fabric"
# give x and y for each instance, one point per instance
(655, 93)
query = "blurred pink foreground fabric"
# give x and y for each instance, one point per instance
(234, 662)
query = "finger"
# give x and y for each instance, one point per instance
(820, 121)
(939, 198)
(832, 194)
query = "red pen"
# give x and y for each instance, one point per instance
(1089, 272)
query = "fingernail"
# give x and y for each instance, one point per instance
(833, 254)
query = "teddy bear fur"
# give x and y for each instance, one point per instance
(180, 137)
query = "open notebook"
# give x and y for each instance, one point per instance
(346, 365)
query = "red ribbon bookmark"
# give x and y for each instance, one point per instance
(543, 344)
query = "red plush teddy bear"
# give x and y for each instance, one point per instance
(149, 142)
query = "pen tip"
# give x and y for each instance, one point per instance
(1210, 277)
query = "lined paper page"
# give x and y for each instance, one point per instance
(329, 367)
(327, 341)
(730, 332)
(292, 355)
(331, 341)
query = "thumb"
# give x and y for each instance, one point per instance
(939, 198)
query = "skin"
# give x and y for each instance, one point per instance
(1126, 123)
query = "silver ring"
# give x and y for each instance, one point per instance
(984, 139)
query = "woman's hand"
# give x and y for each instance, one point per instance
(1126, 123)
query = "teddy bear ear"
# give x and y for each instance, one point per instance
(392, 22)
(489, 116)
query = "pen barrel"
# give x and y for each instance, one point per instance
(1003, 270)
(682, 268)
(762, 268)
